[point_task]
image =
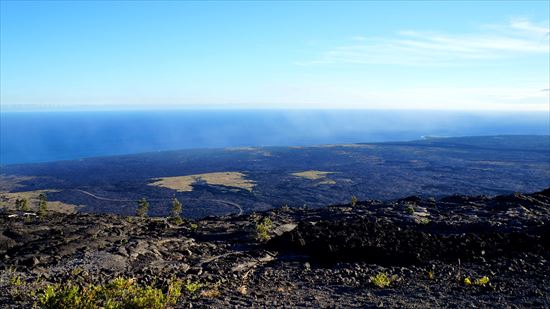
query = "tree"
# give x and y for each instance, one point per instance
(42, 205)
(24, 205)
(175, 212)
(353, 201)
(143, 208)
(18, 204)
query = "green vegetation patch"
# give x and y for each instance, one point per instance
(118, 293)
(482, 281)
(263, 229)
(382, 280)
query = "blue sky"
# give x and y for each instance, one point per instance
(491, 55)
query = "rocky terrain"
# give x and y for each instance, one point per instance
(455, 252)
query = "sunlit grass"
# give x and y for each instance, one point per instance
(185, 183)
(8, 199)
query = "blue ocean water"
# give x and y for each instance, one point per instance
(27, 137)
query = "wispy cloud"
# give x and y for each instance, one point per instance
(526, 25)
(518, 37)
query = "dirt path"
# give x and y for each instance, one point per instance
(227, 203)
(231, 204)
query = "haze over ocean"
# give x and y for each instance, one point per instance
(38, 137)
(257, 73)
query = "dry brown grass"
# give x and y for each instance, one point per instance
(312, 175)
(184, 183)
(7, 201)
(320, 176)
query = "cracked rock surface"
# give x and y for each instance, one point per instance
(322, 257)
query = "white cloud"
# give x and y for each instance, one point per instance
(528, 26)
(329, 95)
(518, 37)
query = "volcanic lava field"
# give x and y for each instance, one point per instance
(241, 180)
(456, 252)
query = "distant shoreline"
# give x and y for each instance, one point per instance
(422, 138)
(28, 137)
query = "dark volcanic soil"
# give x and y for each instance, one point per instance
(491, 165)
(315, 257)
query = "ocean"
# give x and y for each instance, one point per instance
(27, 137)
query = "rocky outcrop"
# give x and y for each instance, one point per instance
(315, 257)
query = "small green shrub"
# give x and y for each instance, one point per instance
(175, 212)
(409, 209)
(353, 201)
(24, 205)
(66, 297)
(192, 287)
(42, 205)
(382, 280)
(119, 293)
(482, 281)
(263, 228)
(16, 281)
(143, 208)
(193, 227)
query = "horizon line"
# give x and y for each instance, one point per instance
(223, 107)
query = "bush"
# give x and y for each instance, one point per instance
(24, 204)
(143, 208)
(483, 281)
(42, 205)
(431, 275)
(353, 201)
(192, 287)
(118, 293)
(382, 280)
(175, 211)
(263, 228)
